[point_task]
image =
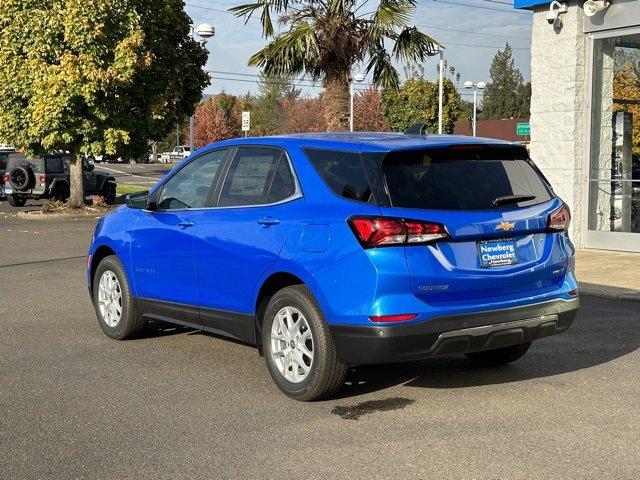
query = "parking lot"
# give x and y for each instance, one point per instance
(183, 404)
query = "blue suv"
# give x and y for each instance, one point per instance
(332, 250)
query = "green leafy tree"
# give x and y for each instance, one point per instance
(417, 102)
(95, 76)
(324, 39)
(506, 96)
(267, 113)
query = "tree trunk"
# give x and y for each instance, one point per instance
(77, 181)
(336, 100)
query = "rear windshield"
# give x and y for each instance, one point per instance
(472, 178)
(3, 160)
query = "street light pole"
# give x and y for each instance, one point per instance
(440, 90)
(476, 86)
(359, 77)
(204, 31)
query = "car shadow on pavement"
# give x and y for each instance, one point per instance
(157, 328)
(603, 331)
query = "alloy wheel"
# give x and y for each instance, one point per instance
(292, 344)
(110, 298)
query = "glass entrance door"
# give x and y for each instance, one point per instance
(614, 173)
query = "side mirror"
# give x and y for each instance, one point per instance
(152, 200)
(138, 200)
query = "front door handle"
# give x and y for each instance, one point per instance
(186, 223)
(266, 221)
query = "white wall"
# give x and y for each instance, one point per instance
(558, 106)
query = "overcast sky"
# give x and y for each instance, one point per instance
(479, 33)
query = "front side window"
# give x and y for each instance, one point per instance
(463, 179)
(257, 176)
(189, 187)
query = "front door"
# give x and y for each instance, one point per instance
(162, 250)
(241, 238)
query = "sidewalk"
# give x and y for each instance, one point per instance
(605, 273)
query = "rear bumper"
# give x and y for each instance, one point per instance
(378, 344)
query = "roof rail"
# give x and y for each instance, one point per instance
(419, 129)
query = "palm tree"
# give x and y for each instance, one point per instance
(324, 39)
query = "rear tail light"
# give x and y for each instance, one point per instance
(383, 231)
(43, 179)
(5, 177)
(560, 219)
(392, 318)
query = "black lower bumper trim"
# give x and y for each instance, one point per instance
(377, 344)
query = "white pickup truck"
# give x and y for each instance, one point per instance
(176, 155)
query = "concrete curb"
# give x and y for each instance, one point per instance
(57, 216)
(609, 292)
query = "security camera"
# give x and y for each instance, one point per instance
(555, 9)
(591, 7)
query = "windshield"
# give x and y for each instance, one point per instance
(464, 179)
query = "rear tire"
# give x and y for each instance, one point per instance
(500, 356)
(16, 201)
(323, 374)
(115, 309)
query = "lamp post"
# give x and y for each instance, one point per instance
(440, 89)
(359, 77)
(204, 31)
(476, 86)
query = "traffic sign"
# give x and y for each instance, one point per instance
(523, 129)
(246, 121)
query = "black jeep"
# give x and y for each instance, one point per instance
(48, 177)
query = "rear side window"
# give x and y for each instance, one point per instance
(343, 172)
(257, 176)
(3, 161)
(463, 179)
(53, 165)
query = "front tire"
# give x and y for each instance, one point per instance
(499, 356)
(298, 348)
(109, 193)
(16, 201)
(113, 301)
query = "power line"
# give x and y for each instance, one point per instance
(294, 83)
(471, 32)
(482, 7)
(475, 33)
(482, 46)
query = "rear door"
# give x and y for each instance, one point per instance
(241, 238)
(495, 206)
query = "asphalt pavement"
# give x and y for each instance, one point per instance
(179, 404)
(136, 174)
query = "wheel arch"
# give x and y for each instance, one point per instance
(100, 253)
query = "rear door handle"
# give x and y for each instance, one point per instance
(186, 223)
(266, 221)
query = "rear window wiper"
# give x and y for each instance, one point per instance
(507, 199)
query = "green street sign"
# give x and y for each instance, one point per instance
(523, 129)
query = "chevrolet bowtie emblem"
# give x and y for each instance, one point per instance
(506, 226)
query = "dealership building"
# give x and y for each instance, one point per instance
(585, 114)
